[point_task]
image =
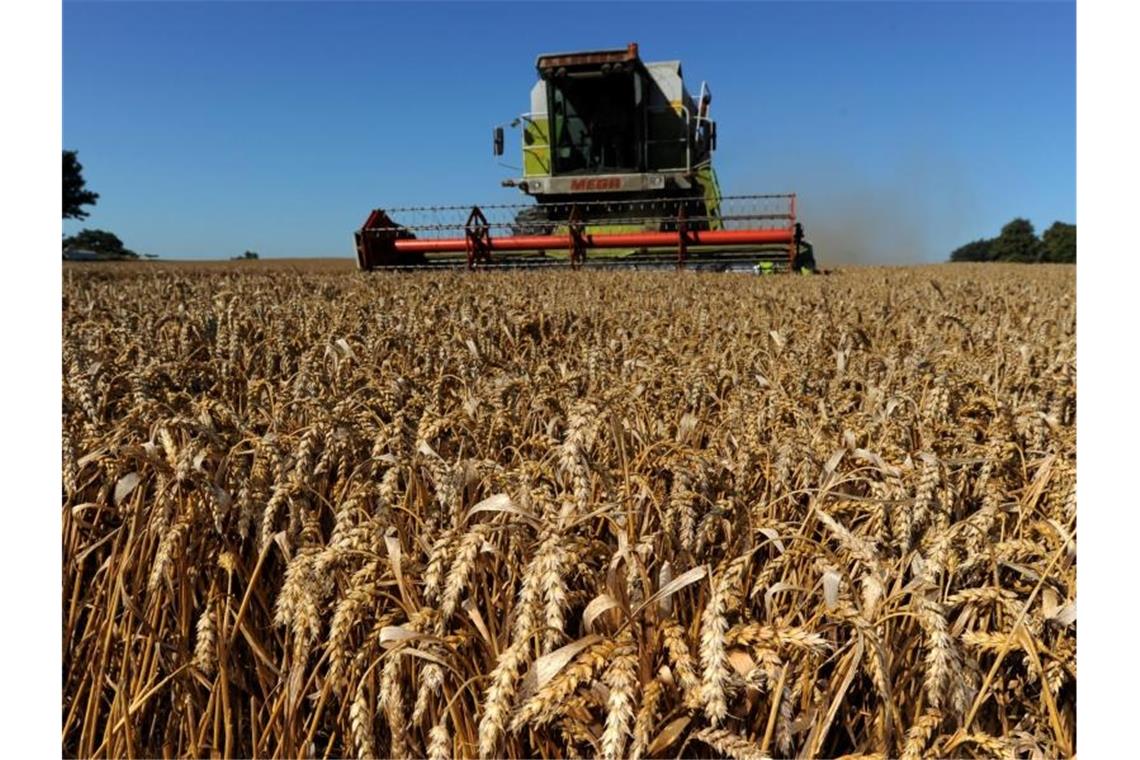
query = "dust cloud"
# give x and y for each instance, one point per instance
(914, 213)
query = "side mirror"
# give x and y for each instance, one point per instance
(498, 141)
(712, 135)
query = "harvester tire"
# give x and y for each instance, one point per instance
(804, 260)
(532, 220)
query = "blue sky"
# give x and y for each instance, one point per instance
(907, 129)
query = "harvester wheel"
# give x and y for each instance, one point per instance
(532, 220)
(804, 260)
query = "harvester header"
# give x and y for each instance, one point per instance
(617, 159)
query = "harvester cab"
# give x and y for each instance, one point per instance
(617, 159)
(605, 124)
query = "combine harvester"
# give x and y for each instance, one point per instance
(618, 158)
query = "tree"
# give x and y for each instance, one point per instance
(247, 256)
(104, 244)
(1017, 242)
(1060, 243)
(979, 250)
(75, 192)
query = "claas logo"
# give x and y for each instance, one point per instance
(596, 183)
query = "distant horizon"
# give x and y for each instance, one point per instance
(907, 130)
(351, 260)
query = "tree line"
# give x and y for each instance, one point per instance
(1019, 242)
(106, 246)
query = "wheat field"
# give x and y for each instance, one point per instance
(309, 512)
